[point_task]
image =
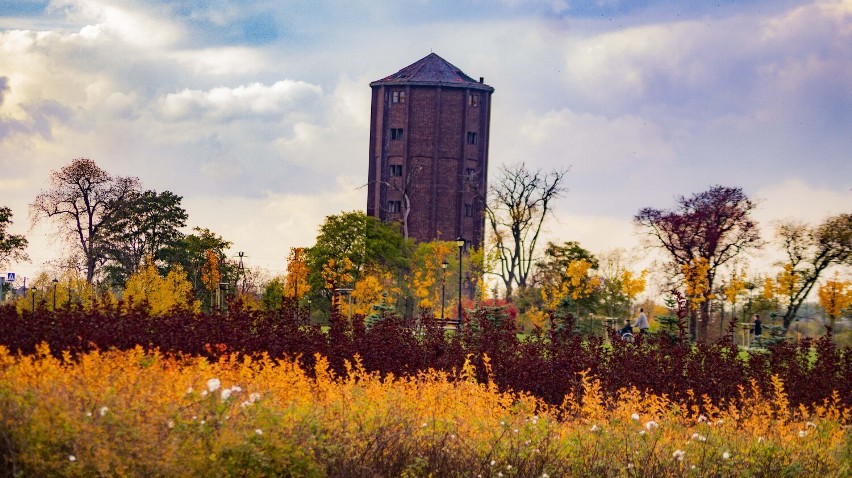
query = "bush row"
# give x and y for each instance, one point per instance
(547, 364)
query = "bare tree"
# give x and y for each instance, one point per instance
(714, 225)
(516, 208)
(810, 251)
(80, 198)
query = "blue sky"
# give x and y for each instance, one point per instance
(256, 112)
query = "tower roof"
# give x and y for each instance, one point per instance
(432, 70)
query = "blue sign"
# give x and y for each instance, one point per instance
(10, 277)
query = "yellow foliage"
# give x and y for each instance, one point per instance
(132, 413)
(297, 274)
(735, 288)
(787, 281)
(835, 295)
(697, 281)
(374, 287)
(578, 284)
(210, 275)
(162, 293)
(633, 286)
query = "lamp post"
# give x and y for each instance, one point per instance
(55, 281)
(443, 280)
(460, 242)
(34, 291)
(309, 311)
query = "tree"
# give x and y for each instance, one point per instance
(148, 224)
(834, 296)
(273, 294)
(162, 294)
(12, 246)
(297, 274)
(810, 252)
(714, 225)
(518, 204)
(191, 253)
(362, 240)
(80, 199)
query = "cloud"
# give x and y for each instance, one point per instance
(225, 104)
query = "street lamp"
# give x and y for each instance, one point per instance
(55, 281)
(34, 291)
(443, 277)
(460, 242)
(309, 311)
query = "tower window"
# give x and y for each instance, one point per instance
(396, 170)
(396, 133)
(470, 174)
(397, 96)
(468, 210)
(473, 99)
(471, 137)
(394, 206)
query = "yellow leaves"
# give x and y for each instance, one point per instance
(210, 275)
(633, 286)
(374, 287)
(578, 284)
(337, 273)
(696, 275)
(835, 295)
(132, 413)
(735, 287)
(787, 281)
(297, 273)
(162, 293)
(768, 291)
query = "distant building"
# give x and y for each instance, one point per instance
(429, 130)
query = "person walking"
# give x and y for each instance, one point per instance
(642, 322)
(758, 326)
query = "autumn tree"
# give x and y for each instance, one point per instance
(733, 289)
(12, 246)
(810, 251)
(191, 253)
(715, 226)
(81, 197)
(518, 203)
(835, 295)
(579, 283)
(160, 294)
(297, 274)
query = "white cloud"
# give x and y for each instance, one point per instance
(225, 103)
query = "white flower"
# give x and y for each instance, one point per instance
(635, 416)
(720, 421)
(204, 393)
(679, 454)
(213, 384)
(189, 390)
(802, 433)
(245, 404)
(253, 397)
(72, 458)
(508, 467)
(761, 439)
(545, 475)
(726, 455)
(702, 418)
(170, 424)
(502, 424)
(103, 411)
(515, 430)
(651, 425)
(810, 425)
(641, 432)
(499, 473)
(226, 393)
(258, 431)
(594, 428)
(696, 436)
(236, 389)
(88, 414)
(493, 462)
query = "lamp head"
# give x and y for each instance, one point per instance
(460, 242)
(444, 265)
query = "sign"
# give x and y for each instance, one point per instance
(10, 277)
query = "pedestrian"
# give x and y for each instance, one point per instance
(758, 326)
(642, 321)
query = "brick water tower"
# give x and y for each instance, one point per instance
(429, 129)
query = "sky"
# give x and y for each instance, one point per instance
(257, 112)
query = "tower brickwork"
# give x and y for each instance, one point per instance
(429, 134)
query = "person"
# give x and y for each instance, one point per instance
(642, 321)
(758, 326)
(627, 329)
